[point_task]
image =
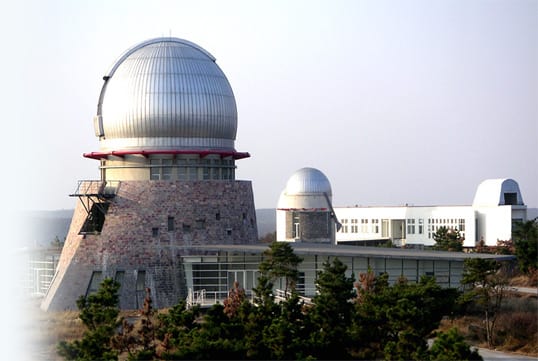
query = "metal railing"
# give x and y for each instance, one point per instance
(96, 188)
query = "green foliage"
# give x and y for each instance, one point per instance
(394, 322)
(373, 321)
(448, 240)
(284, 336)
(450, 346)
(280, 262)
(99, 313)
(525, 237)
(331, 316)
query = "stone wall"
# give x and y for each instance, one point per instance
(148, 226)
(317, 227)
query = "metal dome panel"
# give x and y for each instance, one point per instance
(308, 181)
(166, 93)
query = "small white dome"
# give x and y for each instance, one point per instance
(306, 189)
(308, 181)
(497, 192)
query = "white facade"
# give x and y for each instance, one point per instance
(497, 204)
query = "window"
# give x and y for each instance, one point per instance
(420, 226)
(385, 228)
(95, 281)
(119, 276)
(182, 169)
(375, 225)
(354, 226)
(510, 199)
(344, 225)
(192, 169)
(170, 224)
(96, 219)
(155, 231)
(205, 168)
(200, 223)
(167, 169)
(140, 288)
(364, 225)
(217, 216)
(155, 169)
(186, 228)
(410, 226)
(461, 225)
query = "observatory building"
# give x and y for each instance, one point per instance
(304, 211)
(166, 122)
(305, 214)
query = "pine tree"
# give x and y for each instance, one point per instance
(281, 262)
(99, 313)
(448, 240)
(330, 317)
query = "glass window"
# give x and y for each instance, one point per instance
(167, 169)
(140, 288)
(95, 281)
(155, 170)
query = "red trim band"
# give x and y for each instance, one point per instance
(145, 153)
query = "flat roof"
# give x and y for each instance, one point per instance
(357, 251)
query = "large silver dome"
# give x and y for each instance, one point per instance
(166, 94)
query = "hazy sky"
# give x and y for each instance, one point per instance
(395, 101)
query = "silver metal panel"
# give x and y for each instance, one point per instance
(170, 90)
(308, 181)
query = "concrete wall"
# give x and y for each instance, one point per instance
(148, 226)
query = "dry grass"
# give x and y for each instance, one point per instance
(47, 329)
(516, 327)
(530, 280)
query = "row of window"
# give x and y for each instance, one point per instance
(198, 224)
(366, 225)
(414, 226)
(140, 294)
(192, 169)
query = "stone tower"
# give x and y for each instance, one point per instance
(166, 122)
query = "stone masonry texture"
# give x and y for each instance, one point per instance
(149, 225)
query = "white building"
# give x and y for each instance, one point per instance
(497, 205)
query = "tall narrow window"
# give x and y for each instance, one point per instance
(364, 225)
(155, 169)
(95, 281)
(375, 225)
(411, 226)
(167, 169)
(384, 228)
(140, 288)
(170, 224)
(345, 225)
